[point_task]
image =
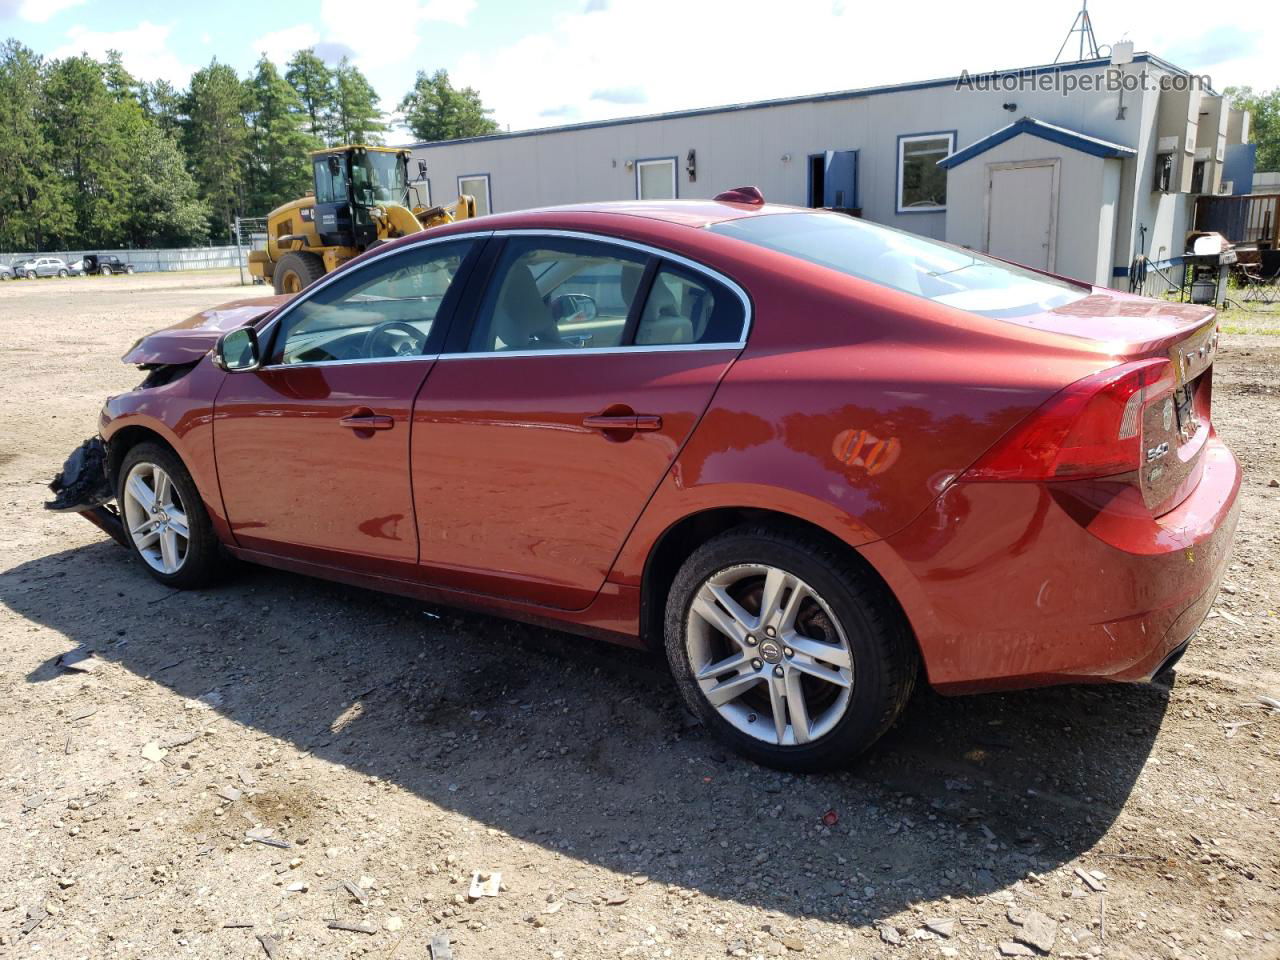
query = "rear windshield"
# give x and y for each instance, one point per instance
(903, 261)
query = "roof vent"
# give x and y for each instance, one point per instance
(748, 195)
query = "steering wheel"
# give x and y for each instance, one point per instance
(414, 343)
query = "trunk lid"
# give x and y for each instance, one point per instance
(1176, 422)
(190, 339)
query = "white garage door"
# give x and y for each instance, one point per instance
(1022, 213)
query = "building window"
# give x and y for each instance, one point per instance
(1197, 177)
(922, 184)
(477, 185)
(656, 179)
(1164, 172)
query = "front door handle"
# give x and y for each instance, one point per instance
(625, 421)
(367, 421)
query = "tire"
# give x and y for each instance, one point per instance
(104, 271)
(296, 271)
(201, 559)
(129, 269)
(845, 614)
(5, 276)
(63, 273)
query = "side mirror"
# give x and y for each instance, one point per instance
(422, 169)
(237, 351)
(574, 306)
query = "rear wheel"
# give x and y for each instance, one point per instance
(297, 271)
(790, 652)
(165, 518)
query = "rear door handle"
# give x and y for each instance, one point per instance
(626, 421)
(367, 421)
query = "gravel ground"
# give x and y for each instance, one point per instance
(246, 767)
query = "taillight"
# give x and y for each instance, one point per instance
(1093, 428)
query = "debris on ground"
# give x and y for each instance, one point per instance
(82, 661)
(484, 884)
(154, 752)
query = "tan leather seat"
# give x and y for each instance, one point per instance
(520, 319)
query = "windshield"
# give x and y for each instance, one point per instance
(377, 178)
(903, 261)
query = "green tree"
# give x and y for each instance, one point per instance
(435, 110)
(90, 134)
(279, 169)
(163, 104)
(217, 141)
(313, 81)
(34, 198)
(121, 84)
(356, 117)
(1264, 122)
(165, 207)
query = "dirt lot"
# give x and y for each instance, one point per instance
(392, 750)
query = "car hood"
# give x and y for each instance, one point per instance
(191, 339)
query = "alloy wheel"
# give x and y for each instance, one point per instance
(768, 654)
(155, 518)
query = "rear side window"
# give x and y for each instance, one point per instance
(684, 307)
(902, 261)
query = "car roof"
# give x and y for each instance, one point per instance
(688, 213)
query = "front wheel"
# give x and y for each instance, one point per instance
(104, 271)
(165, 518)
(296, 271)
(63, 273)
(791, 652)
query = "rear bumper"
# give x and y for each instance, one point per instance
(1016, 585)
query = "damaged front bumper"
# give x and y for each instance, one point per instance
(84, 487)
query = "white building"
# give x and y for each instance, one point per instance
(1075, 168)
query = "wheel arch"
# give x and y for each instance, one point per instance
(125, 439)
(673, 546)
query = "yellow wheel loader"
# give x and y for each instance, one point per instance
(362, 198)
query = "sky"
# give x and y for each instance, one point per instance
(548, 62)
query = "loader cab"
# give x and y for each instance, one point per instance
(350, 182)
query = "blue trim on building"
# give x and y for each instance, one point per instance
(811, 98)
(675, 174)
(1045, 131)
(897, 171)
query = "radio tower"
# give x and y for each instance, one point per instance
(1083, 26)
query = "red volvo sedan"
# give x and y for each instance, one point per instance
(805, 454)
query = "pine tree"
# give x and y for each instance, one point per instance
(166, 208)
(314, 83)
(34, 199)
(435, 110)
(217, 141)
(163, 104)
(90, 132)
(356, 117)
(279, 168)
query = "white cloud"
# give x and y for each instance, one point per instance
(683, 54)
(144, 49)
(280, 45)
(42, 11)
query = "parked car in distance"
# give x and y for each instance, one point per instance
(76, 267)
(105, 264)
(806, 456)
(41, 267)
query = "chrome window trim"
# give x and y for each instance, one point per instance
(648, 249)
(593, 351)
(351, 362)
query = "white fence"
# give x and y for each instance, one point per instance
(149, 261)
